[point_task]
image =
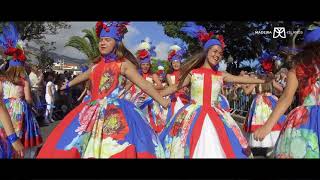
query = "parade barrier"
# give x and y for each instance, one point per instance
(240, 105)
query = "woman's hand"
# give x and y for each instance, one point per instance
(18, 147)
(63, 87)
(165, 103)
(261, 132)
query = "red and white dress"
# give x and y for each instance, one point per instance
(202, 129)
(178, 99)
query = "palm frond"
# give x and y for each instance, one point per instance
(80, 44)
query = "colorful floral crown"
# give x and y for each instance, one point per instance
(176, 52)
(12, 45)
(160, 70)
(205, 38)
(113, 29)
(267, 61)
(145, 52)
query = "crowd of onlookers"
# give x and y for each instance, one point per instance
(50, 104)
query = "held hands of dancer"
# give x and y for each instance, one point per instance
(283, 103)
(130, 71)
(261, 132)
(243, 79)
(175, 87)
(82, 77)
(18, 147)
(9, 129)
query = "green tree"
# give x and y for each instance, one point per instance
(240, 37)
(156, 62)
(88, 44)
(36, 30)
(44, 58)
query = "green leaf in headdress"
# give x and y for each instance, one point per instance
(8, 58)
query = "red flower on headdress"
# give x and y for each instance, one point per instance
(99, 26)
(267, 65)
(159, 72)
(171, 54)
(122, 28)
(16, 53)
(143, 54)
(204, 37)
(221, 39)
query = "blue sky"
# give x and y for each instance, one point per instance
(150, 31)
(137, 31)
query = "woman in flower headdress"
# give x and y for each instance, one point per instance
(155, 114)
(107, 126)
(180, 98)
(144, 54)
(201, 129)
(16, 96)
(299, 138)
(262, 106)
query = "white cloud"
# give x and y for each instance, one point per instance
(147, 39)
(62, 37)
(132, 32)
(128, 38)
(162, 50)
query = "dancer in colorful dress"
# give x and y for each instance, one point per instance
(7, 133)
(155, 114)
(202, 129)
(16, 94)
(106, 126)
(223, 102)
(299, 138)
(262, 106)
(180, 98)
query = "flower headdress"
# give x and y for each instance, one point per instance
(199, 32)
(12, 45)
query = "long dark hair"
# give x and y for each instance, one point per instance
(16, 74)
(196, 61)
(121, 52)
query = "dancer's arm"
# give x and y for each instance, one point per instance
(84, 92)
(169, 80)
(241, 79)
(82, 77)
(8, 128)
(128, 85)
(1, 90)
(130, 71)
(174, 87)
(27, 92)
(277, 86)
(283, 104)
